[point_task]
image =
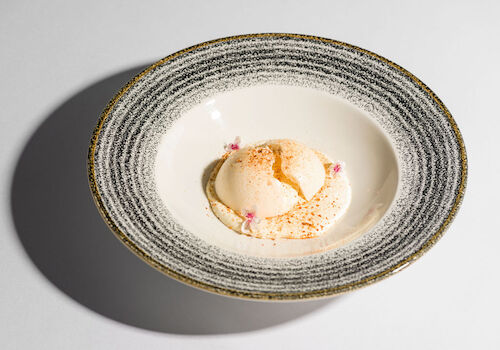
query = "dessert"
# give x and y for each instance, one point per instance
(278, 189)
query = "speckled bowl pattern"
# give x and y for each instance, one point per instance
(430, 151)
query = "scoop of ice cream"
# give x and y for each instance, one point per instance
(269, 179)
(300, 165)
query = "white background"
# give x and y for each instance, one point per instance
(67, 283)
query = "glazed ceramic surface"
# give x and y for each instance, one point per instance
(157, 140)
(313, 117)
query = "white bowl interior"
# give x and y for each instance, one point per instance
(191, 147)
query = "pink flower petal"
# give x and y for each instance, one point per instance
(251, 220)
(336, 168)
(233, 146)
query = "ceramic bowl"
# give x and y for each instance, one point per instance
(159, 138)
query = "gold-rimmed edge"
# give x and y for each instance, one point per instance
(259, 295)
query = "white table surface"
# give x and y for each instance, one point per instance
(67, 283)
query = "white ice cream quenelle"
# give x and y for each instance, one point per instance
(271, 177)
(278, 189)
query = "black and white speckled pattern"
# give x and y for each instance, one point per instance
(429, 147)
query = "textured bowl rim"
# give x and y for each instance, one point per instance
(273, 296)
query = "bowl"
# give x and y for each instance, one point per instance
(159, 138)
